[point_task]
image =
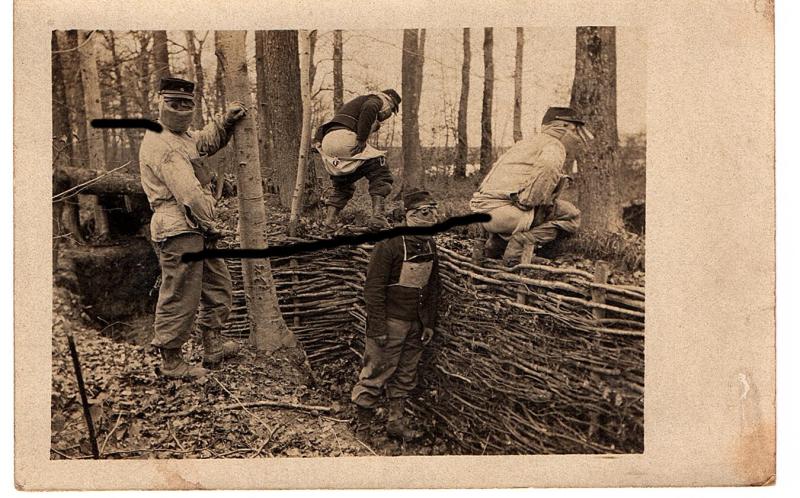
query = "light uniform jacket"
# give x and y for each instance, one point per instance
(175, 180)
(531, 169)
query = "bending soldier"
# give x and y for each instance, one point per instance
(521, 190)
(401, 295)
(342, 144)
(177, 185)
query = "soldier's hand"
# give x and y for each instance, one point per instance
(235, 112)
(427, 335)
(518, 203)
(381, 340)
(359, 148)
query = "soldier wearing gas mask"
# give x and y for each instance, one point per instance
(177, 185)
(521, 191)
(401, 294)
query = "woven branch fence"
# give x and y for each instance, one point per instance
(538, 360)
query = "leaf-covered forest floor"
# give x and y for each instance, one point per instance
(254, 407)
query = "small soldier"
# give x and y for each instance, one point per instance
(342, 144)
(401, 294)
(178, 189)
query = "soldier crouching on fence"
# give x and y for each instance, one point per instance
(178, 189)
(521, 191)
(342, 144)
(401, 295)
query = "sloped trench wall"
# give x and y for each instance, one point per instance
(519, 364)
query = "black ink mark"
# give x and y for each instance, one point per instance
(346, 240)
(128, 123)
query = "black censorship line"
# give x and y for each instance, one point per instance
(128, 123)
(345, 240)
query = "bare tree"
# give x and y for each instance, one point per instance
(305, 136)
(284, 109)
(62, 140)
(268, 331)
(195, 64)
(486, 109)
(94, 110)
(338, 86)
(161, 55)
(518, 85)
(594, 95)
(261, 103)
(462, 148)
(73, 89)
(413, 174)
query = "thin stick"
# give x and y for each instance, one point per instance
(174, 437)
(240, 404)
(67, 193)
(84, 401)
(103, 447)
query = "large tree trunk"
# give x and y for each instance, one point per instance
(302, 157)
(268, 331)
(161, 55)
(462, 147)
(413, 175)
(338, 86)
(486, 109)
(94, 110)
(195, 64)
(518, 85)
(284, 109)
(594, 96)
(73, 87)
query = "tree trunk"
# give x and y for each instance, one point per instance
(143, 68)
(284, 109)
(486, 109)
(261, 97)
(338, 86)
(413, 175)
(62, 132)
(518, 85)
(119, 86)
(462, 147)
(94, 110)
(268, 331)
(161, 55)
(62, 138)
(594, 96)
(70, 66)
(196, 65)
(305, 136)
(117, 183)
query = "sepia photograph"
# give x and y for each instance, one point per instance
(446, 235)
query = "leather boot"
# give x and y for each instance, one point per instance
(215, 349)
(173, 366)
(364, 418)
(378, 218)
(331, 215)
(494, 247)
(395, 424)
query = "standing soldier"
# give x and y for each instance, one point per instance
(342, 144)
(521, 190)
(401, 294)
(177, 185)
